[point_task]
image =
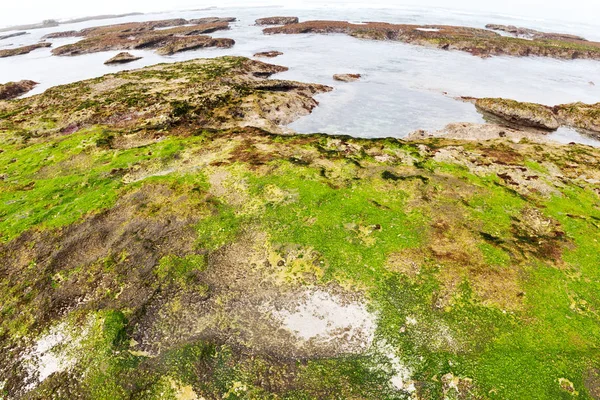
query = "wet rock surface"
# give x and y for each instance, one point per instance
(479, 42)
(533, 34)
(166, 36)
(12, 90)
(23, 50)
(268, 54)
(122, 58)
(520, 114)
(12, 35)
(277, 21)
(347, 77)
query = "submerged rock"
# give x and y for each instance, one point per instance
(277, 21)
(12, 90)
(23, 50)
(347, 77)
(478, 42)
(13, 35)
(122, 58)
(521, 114)
(268, 54)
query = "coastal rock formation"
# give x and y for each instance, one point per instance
(519, 113)
(12, 90)
(277, 21)
(23, 50)
(585, 117)
(347, 77)
(166, 36)
(211, 20)
(479, 42)
(533, 34)
(268, 54)
(13, 35)
(580, 115)
(122, 58)
(220, 93)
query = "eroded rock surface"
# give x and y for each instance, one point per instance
(12, 90)
(166, 36)
(347, 77)
(17, 51)
(533, 34)
(268, 54)
(122, 58)
(479, 42)
(277, 21)
(520, 114)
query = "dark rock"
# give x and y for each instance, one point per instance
(123, 58)
(277, 21)
(13, 35)
(12, 90)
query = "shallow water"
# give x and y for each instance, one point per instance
(404, 87)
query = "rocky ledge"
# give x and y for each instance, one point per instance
(23, 50)
(166, 36)
(479, 42)
(220, 93)
(585, 117)
(268, 54)
(122, 58)
(12, 90)
(347, 77)
(277, 21)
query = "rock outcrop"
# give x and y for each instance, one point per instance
(518, 113)
(23, 50)
(12, 90)
(268, 54)
(13, 35)
(347, 77)
(580, 115)
(478, 42)
(166, 36)
(122, 58)
(277, 21)
(211, 20)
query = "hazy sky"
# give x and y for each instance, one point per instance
(26, 11)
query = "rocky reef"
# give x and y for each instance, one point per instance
(479, 42)
(12, 35)
(12, 90)
(347, 77)
(277, 21)
(585, 117)
(159, 240)
(268, 54)
(18, 51)
(122, 58)
(166, 36)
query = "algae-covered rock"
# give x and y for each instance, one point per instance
(122, 58)
(347, 77)
(277, 21)
(12, 90)
(519, 113)
(580, 115)
(17, 51)
(479, 42)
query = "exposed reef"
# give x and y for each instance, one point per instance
(51, 23)
(479, 42)
(159, 241)
(166, 36)
(12, 90)
(18, 51)
(122, 58)
(576, 115)
(268, 54)
(12, 35)
(533, 34)
(347, 77)
(277, 21)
